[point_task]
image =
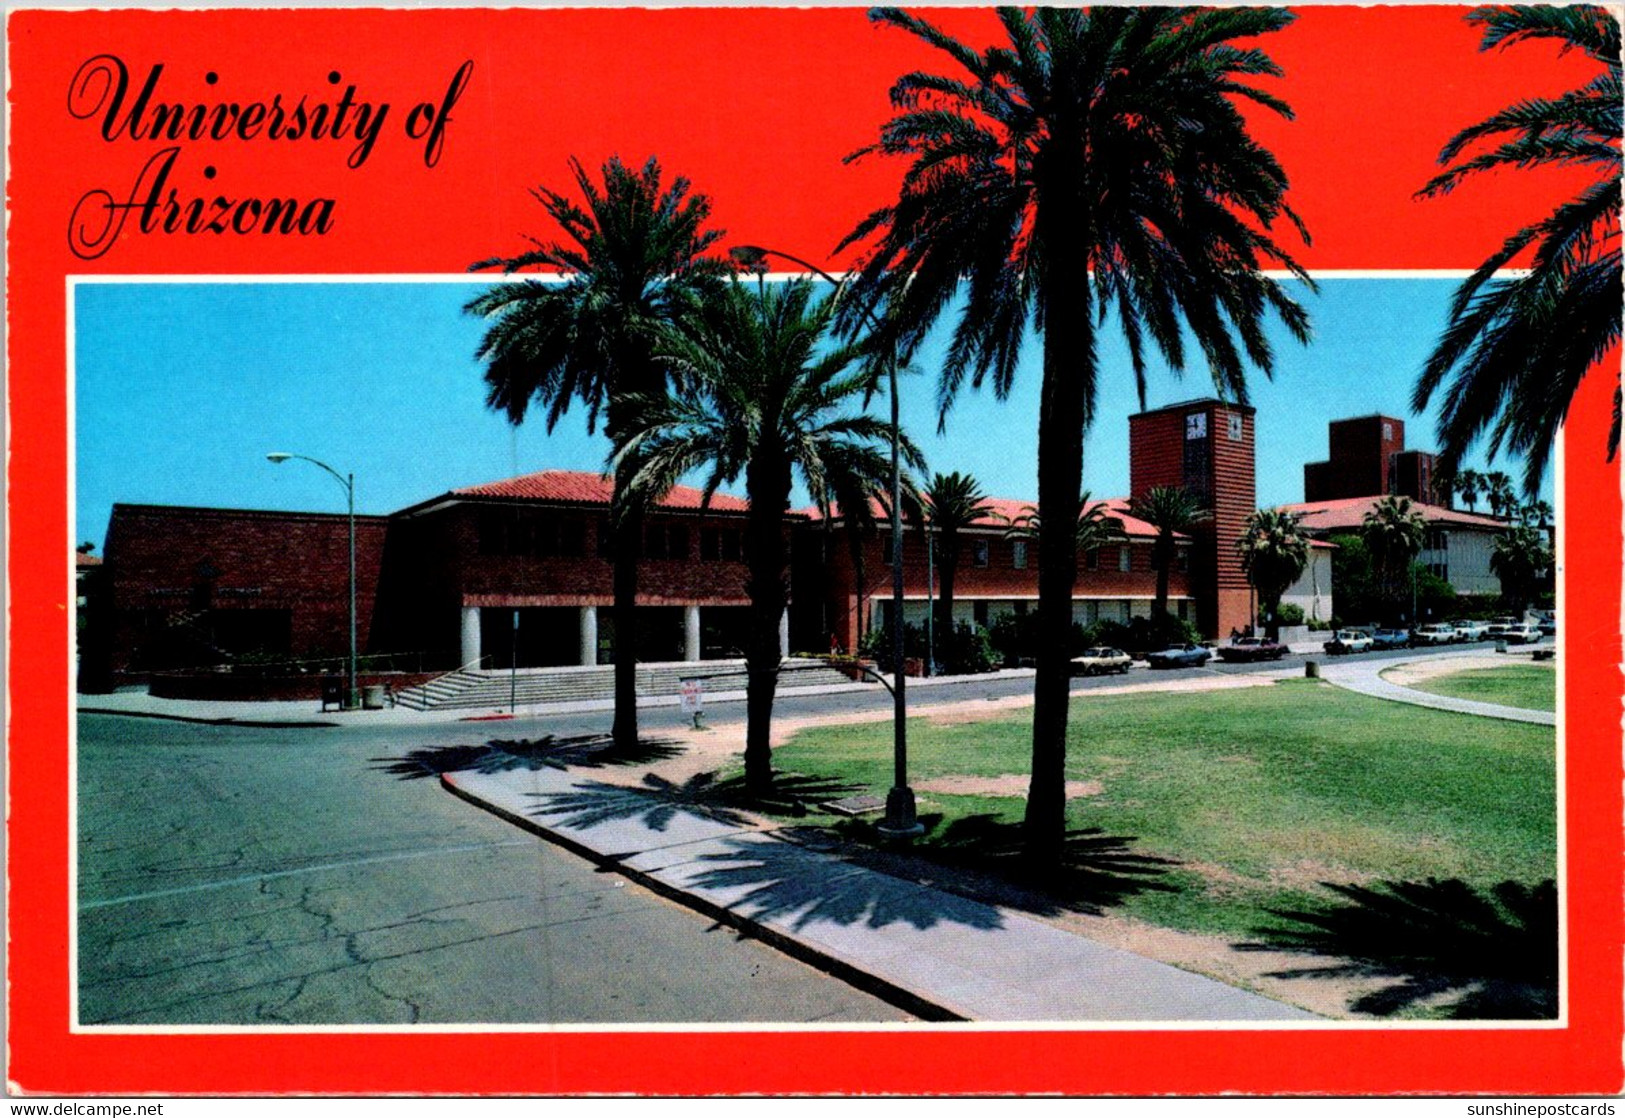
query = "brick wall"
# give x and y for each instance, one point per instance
(1220, 469)
(185, 580)
(999, 580)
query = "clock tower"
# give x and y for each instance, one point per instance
(1205, 447)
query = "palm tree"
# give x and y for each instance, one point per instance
(633, 250)
(1498, 492)
(1537, 513)
(952, 502)
(1469, 483)
(1098, 161)
(1096, 527)
(763, 398)
(1274, 551)
(1394, 533)
(1519, 558)
(1171, 510)
(1515, 350)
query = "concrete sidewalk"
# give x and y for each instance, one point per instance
(938, 954)
(308, 712)
(1365, 676)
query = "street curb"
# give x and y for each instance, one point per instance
(200, 721)
(898, 996)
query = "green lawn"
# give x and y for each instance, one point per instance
(1255, 795)
(1530, 686)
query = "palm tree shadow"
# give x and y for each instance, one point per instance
(985, 856)
(584, 751)
(1496, 953)
(657, 801)
(795, 877)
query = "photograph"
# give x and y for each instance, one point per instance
(954, 551)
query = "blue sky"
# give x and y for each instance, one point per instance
(181, 390)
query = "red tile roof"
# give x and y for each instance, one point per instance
(579, 488)
(1006, 509)
(1349, 512)
(80, 559)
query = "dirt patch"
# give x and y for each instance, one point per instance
(1420, 671)
(1010, 784)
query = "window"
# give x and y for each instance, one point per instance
(1018, 554)
(982, 552)
(606, 544)
(493, 530)
(677, 541)
(654, 542)
(1184, 609)
(730, 545)
(572, 538)
(979, 613)
(1125, 559)
(710, 543)
(1182, 560)
(1091, 559)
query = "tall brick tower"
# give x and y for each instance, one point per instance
(1206, 446)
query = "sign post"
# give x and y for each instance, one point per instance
(693, 701)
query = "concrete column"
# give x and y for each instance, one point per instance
(588, 655)
(691, 633)
(784, 633)
(471, 635)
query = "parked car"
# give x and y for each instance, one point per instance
(1548, 625)
(1469, 630)
(1390, 638)
(1499, 625)
(1180, 656)
(1435, 632)
(1101, 661)
(1521, 634)
(1248, 649)
(1349, 640)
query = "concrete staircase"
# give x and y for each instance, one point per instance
(530, 687)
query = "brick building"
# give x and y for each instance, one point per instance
(518, 572)
(198, 585)
(1368, 459)
(996, 574)
(1207, 447)
(1369, 462)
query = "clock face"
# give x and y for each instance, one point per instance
(1196, 426)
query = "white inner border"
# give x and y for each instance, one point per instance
(74, 1026)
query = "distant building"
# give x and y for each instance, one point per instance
(1457, 548)
(1369, 462)
(1368, 458)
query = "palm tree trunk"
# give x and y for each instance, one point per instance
(948, 569)
(628, 538)
(1068, 366)
(768, 485)
(1163, 562)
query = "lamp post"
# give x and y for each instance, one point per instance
(353, 693)
(900, 820)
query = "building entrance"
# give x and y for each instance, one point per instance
(546, 637)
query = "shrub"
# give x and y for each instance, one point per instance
(1289, 614)
(968, 649)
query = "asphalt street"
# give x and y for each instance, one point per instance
(232, 875)
(257, 875)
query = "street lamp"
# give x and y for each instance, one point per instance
(353, 692)
(900, 820)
